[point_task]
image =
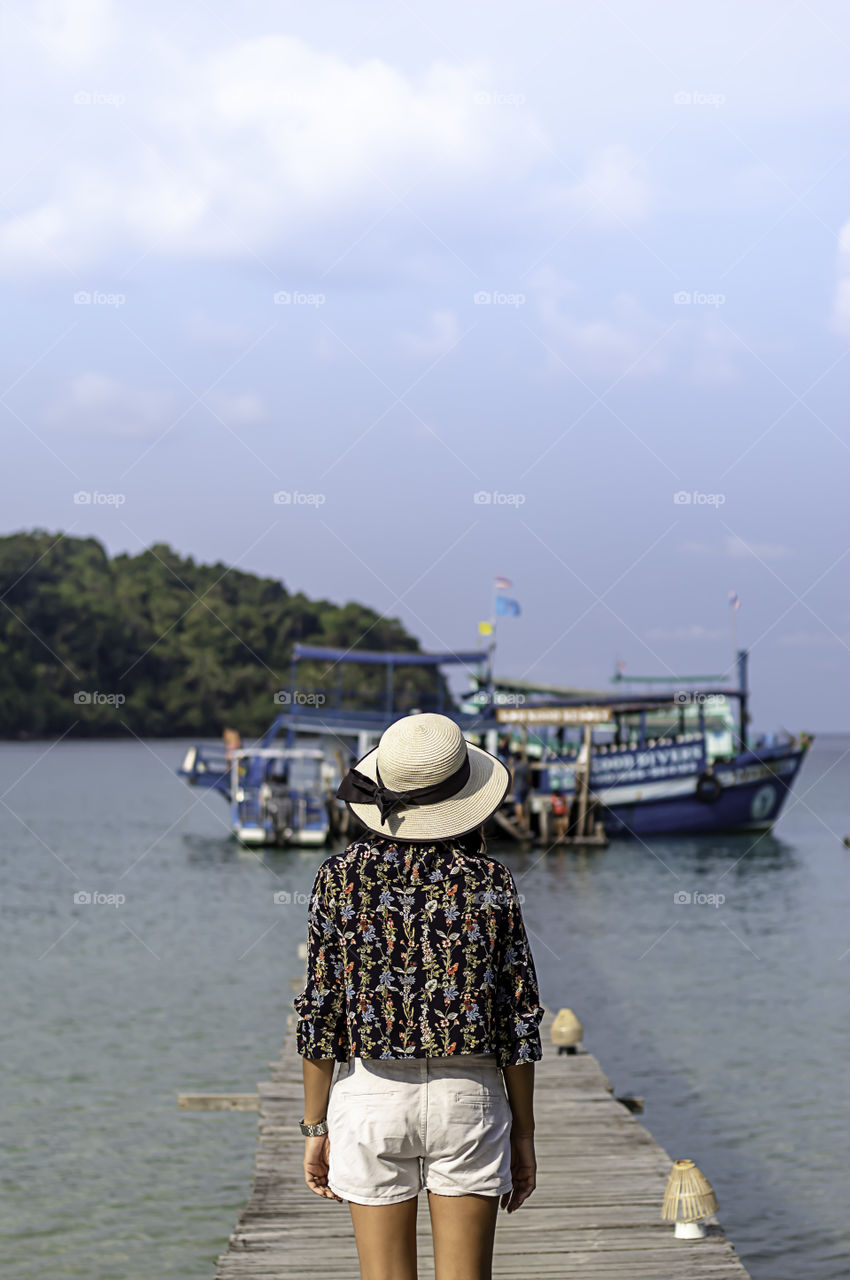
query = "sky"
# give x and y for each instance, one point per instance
(386, 299)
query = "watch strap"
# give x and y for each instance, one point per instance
(314, 1130)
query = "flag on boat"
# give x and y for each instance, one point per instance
(502, 584)
(734, 600)
(485, 628)
(510, 608)
(621, 666)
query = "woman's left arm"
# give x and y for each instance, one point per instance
(318, 1075)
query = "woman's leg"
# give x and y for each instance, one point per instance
(386, 1239)
(463, 1228)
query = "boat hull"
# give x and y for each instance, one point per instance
(752, 795)
(669, 789)
(310, 838)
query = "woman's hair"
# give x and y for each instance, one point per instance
(472, 844)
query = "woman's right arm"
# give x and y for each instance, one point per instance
(519, 1085)
(321, 1027)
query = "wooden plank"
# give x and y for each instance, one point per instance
(596, 1210)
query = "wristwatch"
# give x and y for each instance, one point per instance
(314, 1130)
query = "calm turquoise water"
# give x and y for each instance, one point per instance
(731, 1020)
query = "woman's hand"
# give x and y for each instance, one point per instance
(316, 1153)
(523, 1172)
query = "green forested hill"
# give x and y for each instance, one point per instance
(188, 647)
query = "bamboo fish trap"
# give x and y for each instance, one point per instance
(689, 1197)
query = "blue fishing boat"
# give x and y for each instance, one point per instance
(282, 791)
(668, 763)
(277, 795)
(627, 763)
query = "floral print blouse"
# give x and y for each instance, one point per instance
(417, 951)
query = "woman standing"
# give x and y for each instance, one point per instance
(421, 988)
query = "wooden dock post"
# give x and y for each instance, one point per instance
(596, 1211)
(584, 782)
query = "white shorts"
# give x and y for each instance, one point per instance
(398, 1125)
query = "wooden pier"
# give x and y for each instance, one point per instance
(596, 1210)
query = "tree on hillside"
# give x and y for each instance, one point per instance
(187, 647)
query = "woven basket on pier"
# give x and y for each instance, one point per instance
(689, 1195)
(566, 1028)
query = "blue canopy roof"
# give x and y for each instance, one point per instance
(374, 658)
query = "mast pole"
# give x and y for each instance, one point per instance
(743, 702)
(491, 648)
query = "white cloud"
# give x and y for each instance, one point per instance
(612, 188)
(615, 344)
(325, 350)
(443, 333)
(241, 410)
(813, 640)
(70, 33)
(249, 146)
(712, 357)
(209, 331)
(739, 549)
(97, 402)
(693, 631)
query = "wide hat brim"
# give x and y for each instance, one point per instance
(479, 798)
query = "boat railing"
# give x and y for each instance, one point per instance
(330, 721)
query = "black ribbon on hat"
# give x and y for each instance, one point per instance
(356, 788)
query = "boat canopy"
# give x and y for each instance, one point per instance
(623, 703)
(375, 658)
(518, 684)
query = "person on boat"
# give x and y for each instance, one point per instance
(560, 813)
(232, 742)
(418, 1024)
(521, 771)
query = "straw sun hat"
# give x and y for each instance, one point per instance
(424, 781)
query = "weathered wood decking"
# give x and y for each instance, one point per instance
(601, 1179)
